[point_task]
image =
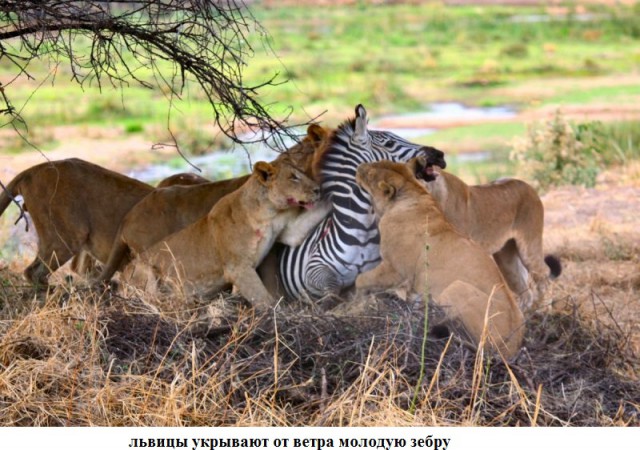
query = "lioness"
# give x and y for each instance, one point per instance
(224, 247)
(420, 247)
(506, 218)
(84, 264)
(75, 206)
(171, 209)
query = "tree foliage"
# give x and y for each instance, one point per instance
(111, 41)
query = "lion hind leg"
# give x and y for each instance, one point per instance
(483, 318)
(119, 257)
(533, 259)
(515, 274)
(37, 272)
(48, 260)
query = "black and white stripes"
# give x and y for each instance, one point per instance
(345, 243)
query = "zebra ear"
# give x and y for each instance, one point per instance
(361, 123)
(264, 171)
(388, 190)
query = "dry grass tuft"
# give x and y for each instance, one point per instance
(69, 358)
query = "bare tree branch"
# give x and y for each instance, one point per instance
(112, 41)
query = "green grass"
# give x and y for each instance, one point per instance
(392, 58)
(496, 165)
(442, 48)
(483, 134)
(622, 142)
(623, 94)
(617, 144)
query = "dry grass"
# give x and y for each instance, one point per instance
(69, 358)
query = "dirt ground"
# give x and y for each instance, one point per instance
(111, 148)
(596, 232)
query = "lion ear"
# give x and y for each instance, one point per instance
(388, 190)
(264, 170)
(417, 165)
(316, 132)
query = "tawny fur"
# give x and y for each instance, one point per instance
(76, 208)
(168, 210)
(182, 179)
(421, 249)
(84, 264)
(506, 218)
(225, 247)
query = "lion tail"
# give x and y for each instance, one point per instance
(554, 264)
(9, 192)
(6, 196)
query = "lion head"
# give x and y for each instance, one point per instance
(286, 185)
(301, 155)
(387, 181)
(424, 165)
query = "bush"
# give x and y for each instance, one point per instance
(28, 139)
(558, 152)
(516, 50)
(133, 127)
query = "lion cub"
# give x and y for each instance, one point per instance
(224, 247)
(420, 247)
(506, 218)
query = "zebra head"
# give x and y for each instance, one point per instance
(353, 143)
(346, 243)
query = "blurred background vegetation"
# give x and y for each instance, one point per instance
(395, 59)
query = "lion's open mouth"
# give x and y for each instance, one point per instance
(300, 203)
(429, 173)
(434, 158)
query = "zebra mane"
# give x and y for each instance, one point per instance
(340, 134)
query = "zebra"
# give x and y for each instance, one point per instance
(346, 243)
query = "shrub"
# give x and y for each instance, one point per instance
(133, 127)
(557, 152)
(516, 50)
